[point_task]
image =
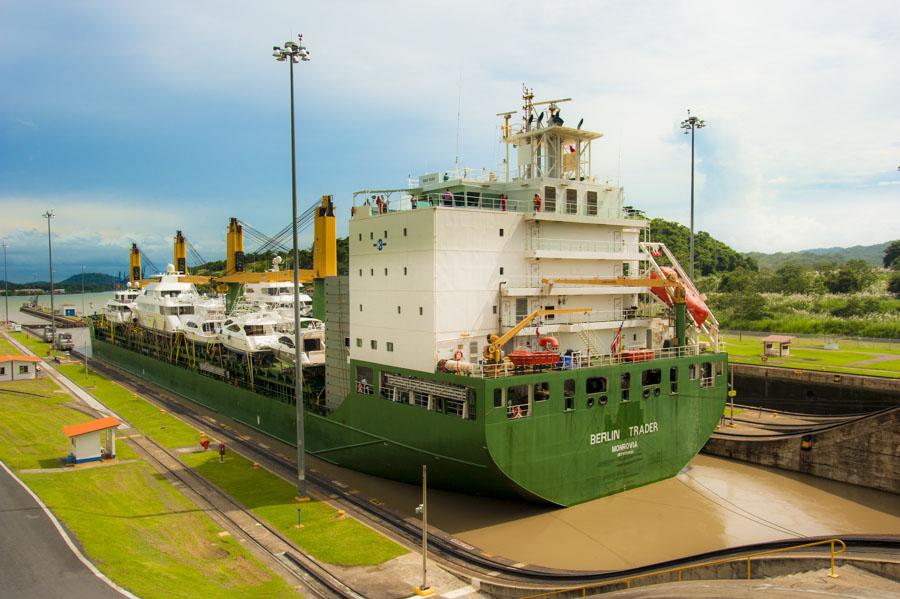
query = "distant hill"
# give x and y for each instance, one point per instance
(710, 255)
(819, 257)
(93, 281)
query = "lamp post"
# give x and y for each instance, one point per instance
(5, 284)
(48, 215)
(294, 52)
(422, 510)
(691, 124)
(84, 316)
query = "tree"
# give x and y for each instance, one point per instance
(740, 279)
(852, 277)
(892, 255)
(856, 306)
(894, 284)
(748, 306)
(792, 278)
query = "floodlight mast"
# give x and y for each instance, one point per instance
(48, 215)
(292, 53)
(691, 124)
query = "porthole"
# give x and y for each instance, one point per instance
(590, 402)
(603, 400)
(646, 393)
(656, 392)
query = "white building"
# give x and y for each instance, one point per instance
(92, 441)
(18, 368)
(460, 255)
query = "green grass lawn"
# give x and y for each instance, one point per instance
(165, 429)
(810, 354)
(133, 524)
(345, 542)
(7, 348)
(144, 534)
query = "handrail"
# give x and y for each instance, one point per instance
(681, 569)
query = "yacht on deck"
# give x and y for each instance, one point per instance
(120, 309)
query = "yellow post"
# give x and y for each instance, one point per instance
(325, 242)
(180, 253)
(135, 274)
(833, 574)
(234, 257)
(748, 569)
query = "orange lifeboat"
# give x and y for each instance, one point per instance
(695, 304)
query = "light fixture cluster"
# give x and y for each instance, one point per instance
(294, 51)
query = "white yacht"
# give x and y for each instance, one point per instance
(278, 297)
(205, 324)
(120, 309)
(169, 304)
(251, 332)
(312, 332)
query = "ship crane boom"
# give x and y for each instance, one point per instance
(492, 351)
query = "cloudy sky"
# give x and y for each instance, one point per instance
(133, 119)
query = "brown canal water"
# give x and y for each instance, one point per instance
(712, 504)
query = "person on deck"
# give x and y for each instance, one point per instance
(448, 198)
(503, 202)
(537, 203)
(380, 203)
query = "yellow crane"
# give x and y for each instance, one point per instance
(671, 282)
(180, 262)
(492, 352)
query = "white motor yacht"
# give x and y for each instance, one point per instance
(205, 324)
(312, 332)
(277, 296)
(120, 309)
(168, 304)
(251, 332)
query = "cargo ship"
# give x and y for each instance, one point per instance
(516, 330)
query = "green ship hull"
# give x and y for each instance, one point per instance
(565, 446)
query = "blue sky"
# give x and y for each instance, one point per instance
(131, 120)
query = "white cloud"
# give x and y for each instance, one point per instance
(797, 96)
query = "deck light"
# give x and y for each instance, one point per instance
(691, 124)
(296, 53)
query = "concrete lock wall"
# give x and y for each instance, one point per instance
(863, 452)
(813, 392)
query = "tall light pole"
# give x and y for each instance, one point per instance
(49, 215)
(5, 284)
(292, 53)
(691, 124)
(84, 316)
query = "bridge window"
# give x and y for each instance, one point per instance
(364, 380)
(595, 384)
(571, 201)
(651, 377)
(625, 383)
(692, 372)
(592, 203)
(498, 397)
(541, 391)
(517, 401)
(569, 394)
(390, 346)
(373, 344)
(549, 199)
(358, 342)
(673, 380)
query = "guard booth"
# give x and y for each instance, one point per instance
(18, 368)
(777, 346)
(92, 441)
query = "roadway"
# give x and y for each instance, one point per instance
(37, 562)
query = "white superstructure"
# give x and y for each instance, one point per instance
(438, 266)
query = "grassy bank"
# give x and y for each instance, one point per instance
(865, 358)
(137, 528)
(344, 542)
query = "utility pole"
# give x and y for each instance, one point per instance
(294, 52)
(5, 284)
(424, 590)
(48, 215)
(84, 316)
(691, 124)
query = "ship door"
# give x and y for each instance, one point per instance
(535, 275)
(617, 308)
(617, 241)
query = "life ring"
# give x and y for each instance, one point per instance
(458, 355)
(360, 388)
(516, 412)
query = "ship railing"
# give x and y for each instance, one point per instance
(365, 388)
(517, 411)
(457, 173)
(587, 359)
(606, 316)
(707, 381)
(581, 245)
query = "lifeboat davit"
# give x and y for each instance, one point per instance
(695, 304)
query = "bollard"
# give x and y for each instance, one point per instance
(299, 523)
(341, 514)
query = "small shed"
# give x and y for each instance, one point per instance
(778, 346)
(92, 441)
(18, 368)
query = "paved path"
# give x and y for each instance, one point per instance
(36, 560)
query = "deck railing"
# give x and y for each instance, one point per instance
(581, 245)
